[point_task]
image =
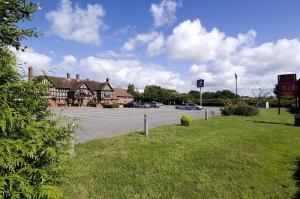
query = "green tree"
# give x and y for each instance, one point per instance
(152, 93)
(33, 145)
(131, 90)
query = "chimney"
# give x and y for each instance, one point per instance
(68, 76)
(77, 77)
(30, 74)
(107, 80)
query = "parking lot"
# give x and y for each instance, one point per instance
(100, 122)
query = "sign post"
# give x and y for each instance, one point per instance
(287, 89)
(200, 84)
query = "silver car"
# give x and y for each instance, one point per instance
(190, 106)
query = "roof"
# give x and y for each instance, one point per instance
(74, 84)
(120, 92)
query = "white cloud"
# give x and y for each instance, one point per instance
(282, 55)
(77, 24)
(67, 64)
(113, 54)
(216, 57)
(29, 57)
(164, 13)
(139, 40)
(156, 47)
(191, 41)
(124, 71)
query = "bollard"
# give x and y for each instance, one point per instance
(145, 125)
(72, 146)
(206, 114)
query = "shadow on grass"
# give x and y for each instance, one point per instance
(267, 122)
(297, 178)
(138, 133)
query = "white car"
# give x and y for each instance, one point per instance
(189, 107)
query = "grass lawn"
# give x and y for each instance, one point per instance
(224, 157)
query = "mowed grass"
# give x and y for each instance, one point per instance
(224, 157)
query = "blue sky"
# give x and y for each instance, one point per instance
(170, 42)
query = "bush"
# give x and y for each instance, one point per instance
(76, 104)
(293, 109)
(246, 110)
(227, 110)
(111, 106)
(92, 103)
(186, 120)
(241, 109)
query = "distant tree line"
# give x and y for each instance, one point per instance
(169, 96)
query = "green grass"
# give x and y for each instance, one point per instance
(224, 157)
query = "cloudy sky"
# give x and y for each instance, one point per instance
(171, 43)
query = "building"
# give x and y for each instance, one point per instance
(122, 96)
(67, 91)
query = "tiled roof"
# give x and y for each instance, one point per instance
(74, 84)
(120, 92)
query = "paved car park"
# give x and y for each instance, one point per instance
(100, 122)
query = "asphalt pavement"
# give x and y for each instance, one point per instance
(97, 123)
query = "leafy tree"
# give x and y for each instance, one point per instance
(131, 90)
(152, 93)
(33, 145)
(11, 13)
(225, 94)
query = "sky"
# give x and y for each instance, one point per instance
(170, 43)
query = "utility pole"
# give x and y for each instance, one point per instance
(200, 97)
(236, 95)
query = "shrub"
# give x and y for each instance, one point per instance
(111, 106)
(228, 108)
(76, 104)
(242, 108)
(186, 120)
(293, 109)
(246, 110)
(92, 103)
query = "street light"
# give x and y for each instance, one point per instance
(236, 95)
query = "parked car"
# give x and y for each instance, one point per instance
(143, 105)
(155, 104)
(130, 105)
(189, 107)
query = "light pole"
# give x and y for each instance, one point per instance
(236, 95)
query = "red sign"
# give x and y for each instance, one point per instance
(287, 86)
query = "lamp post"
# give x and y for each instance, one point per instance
(236, 95)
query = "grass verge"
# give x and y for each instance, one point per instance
(224, 157)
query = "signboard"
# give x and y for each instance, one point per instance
(200, 83)
(287, 86)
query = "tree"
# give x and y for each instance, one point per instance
(33, 145)
(152, 93)
(131, 90)
(11, 13)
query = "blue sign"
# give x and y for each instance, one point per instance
(200, 83)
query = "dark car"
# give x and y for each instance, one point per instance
(130, 105)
